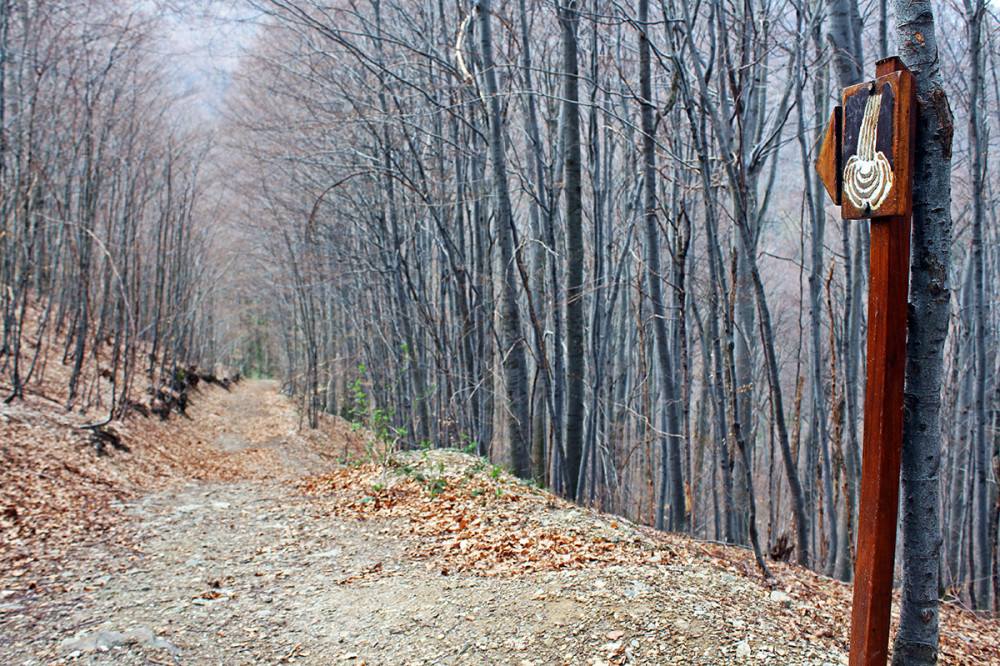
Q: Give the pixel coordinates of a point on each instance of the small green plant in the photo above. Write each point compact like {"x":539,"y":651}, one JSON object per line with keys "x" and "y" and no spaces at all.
{"x":425,"y":449}
{"x":431,"y":477}
{"x":533,"y":484}
{"x":470,"y":445}
{"x":358,"y":411}
{"x":363,"y":414}
{"x":436,"y":486}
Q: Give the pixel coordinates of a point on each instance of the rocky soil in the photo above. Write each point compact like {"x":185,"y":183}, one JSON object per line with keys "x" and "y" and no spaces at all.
{"x":389,"y":565}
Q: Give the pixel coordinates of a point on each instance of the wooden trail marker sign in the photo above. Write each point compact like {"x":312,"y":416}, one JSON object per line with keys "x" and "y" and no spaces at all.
{"x":866,"y":165}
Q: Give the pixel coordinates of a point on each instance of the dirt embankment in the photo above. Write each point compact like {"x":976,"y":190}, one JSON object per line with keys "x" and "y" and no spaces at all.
{"x":61,"y":488}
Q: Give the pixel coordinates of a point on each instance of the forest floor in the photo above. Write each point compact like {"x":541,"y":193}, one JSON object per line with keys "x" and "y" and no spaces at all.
{"x":236,"y":537}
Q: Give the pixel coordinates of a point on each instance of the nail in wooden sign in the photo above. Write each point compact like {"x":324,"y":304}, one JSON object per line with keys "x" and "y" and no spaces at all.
{"x":864,"y":158}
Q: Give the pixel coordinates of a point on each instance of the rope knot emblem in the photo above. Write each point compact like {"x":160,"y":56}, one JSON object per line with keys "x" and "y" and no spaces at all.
{"x":868,"y":174}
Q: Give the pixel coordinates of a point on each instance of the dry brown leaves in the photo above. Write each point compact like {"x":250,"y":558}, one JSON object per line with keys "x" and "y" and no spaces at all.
{"x":821,"y":606}
{"x":57,"y":492}
{"x":467,"y":520}
{"x":50,"y":504}
{"x":965,"y":638}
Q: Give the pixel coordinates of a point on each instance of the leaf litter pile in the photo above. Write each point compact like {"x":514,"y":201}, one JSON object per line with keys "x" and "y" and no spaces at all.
{"x":470,"y":516}
{"x":466,"y":515}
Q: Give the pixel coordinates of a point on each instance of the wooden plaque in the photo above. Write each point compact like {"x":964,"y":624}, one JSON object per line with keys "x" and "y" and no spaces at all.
{"x":876,"y":145}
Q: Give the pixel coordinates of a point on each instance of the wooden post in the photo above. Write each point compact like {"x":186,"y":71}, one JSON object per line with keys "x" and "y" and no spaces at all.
{"x":867,"y":166}
{"x":888,"y":291}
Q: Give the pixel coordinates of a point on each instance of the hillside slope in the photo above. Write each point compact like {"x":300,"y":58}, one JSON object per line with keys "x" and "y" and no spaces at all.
{"x":235,"y":537}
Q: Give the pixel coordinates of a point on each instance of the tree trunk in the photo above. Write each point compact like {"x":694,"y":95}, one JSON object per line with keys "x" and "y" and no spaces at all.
{"x":975,"y":11}
{"x":671,"y":480}
{"x":927,"y":327}
{"x":573,"y":185}
{"x":817,"y":420}
{"x":514,"y":359}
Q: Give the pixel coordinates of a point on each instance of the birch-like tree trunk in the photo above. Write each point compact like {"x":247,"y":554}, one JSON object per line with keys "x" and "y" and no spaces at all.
{"x":848,"y":63}
{"x":671,"y":481}
{"x":975,"y":10}
{"x":514,"y":359}
{"x":917,"y":639}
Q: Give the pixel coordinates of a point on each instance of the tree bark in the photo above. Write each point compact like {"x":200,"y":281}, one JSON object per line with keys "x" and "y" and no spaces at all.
{"x":975,"y":10}
{"x":671,"y":480}
{"x":514,"y":359}
{"x":573,"y":185}
{"x":927,"y":326}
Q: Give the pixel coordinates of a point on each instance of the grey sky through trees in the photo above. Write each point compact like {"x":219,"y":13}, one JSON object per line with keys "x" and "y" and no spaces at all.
{"x":206,"y":39}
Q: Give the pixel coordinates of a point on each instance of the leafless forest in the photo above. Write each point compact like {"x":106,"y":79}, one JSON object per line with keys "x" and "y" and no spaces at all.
{"x":583,"y":238}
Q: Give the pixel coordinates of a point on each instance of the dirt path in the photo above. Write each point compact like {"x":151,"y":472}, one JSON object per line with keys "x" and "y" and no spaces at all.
{"x":253,"y":571}
{"x":245,"y":573}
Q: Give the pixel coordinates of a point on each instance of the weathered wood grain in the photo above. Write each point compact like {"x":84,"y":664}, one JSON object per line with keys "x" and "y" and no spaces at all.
{"x":829,"y":164}
{"x":883,"y":428}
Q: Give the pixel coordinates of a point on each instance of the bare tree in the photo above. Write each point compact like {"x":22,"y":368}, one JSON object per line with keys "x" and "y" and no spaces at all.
{"x":917,"y":639}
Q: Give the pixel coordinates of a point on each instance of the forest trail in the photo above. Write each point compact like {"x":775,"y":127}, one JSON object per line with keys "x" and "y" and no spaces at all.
{"x":257,"y":567}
